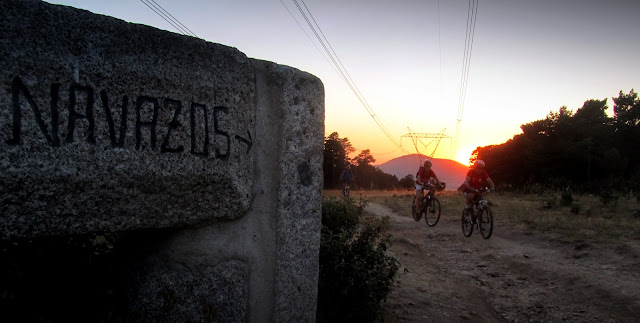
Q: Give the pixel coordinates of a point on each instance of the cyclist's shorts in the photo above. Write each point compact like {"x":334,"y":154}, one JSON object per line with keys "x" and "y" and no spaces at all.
{"x":430,"y":185}
{"x":423,"y":187}
{"x":467,"y":192}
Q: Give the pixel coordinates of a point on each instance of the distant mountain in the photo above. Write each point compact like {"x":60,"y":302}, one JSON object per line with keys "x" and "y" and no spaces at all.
{"x":448,"y":171}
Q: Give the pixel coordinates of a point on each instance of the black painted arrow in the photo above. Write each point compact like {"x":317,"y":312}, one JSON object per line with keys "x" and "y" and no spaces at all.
{"x":246,"y":141}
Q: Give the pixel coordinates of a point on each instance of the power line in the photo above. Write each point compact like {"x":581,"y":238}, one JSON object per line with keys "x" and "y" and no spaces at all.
{"x":168,"y":17}
{"x":309,"y":37}
{"x":468,"y":46}
{"x":440,"y":50}
{"x":342,"y":70}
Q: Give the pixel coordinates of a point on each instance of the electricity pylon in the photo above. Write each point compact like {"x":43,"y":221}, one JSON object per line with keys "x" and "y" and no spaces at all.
{"x":435,"y":138}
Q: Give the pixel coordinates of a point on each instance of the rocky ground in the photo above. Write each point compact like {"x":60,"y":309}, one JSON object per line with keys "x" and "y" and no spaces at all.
{"x":515,"y":276}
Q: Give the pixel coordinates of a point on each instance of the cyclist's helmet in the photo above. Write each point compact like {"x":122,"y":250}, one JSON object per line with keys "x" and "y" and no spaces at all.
{"x":428,"y":163}
{"x":479,"y":164}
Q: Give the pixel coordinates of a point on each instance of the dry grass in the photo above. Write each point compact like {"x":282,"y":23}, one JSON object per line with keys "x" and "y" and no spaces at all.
{"x":584,"y":217}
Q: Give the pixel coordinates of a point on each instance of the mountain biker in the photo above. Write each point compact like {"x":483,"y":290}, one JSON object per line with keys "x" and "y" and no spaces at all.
{"x":425,"y":178}
{"x":476,"y":177}
{"x":347,"y":176}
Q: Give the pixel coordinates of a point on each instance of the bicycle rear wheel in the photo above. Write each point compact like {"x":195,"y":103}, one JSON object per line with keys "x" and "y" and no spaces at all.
{"x":485,"y":221}
{"x":432,"y":216}
{"x":416,"y":215}
{"x":467,"y":224}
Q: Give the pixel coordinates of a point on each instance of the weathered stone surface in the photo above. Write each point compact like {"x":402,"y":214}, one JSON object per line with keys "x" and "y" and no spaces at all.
{"x":221,"y":152}
{"x":176,"y":293}
{"x":298,"y":219}
{"x":69,"y":161}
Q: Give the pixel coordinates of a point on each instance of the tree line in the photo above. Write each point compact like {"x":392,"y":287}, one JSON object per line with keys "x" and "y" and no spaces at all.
{"x":585,"y":149}
{"x":366,"y":176}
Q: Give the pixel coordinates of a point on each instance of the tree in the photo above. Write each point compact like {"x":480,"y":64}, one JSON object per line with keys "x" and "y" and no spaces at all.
{"x":407,"y":182}
{"x":364,"y":158}
{"x":593,"y":113}
{"x":586,"y":148}
{"x":367,"y":176}
{"x":626,"y":114}
{"x":364,"y":170}
{"x":336,"y":157}
{"x":626,"y":110}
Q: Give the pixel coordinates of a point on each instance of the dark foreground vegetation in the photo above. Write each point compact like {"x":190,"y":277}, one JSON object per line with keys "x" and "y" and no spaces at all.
{"x":355,"y":272}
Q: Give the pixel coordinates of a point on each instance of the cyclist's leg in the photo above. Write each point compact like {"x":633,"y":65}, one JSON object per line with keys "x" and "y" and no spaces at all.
{"x":419,"y":194}
{"x":469,"y":199}
{"x":469,"y":204}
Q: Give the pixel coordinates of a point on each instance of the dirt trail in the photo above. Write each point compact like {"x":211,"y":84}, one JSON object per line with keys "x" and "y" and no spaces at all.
{"x":512,"y":277}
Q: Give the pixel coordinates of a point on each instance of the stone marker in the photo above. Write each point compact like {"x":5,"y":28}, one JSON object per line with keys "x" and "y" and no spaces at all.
{"x":109,"y":126}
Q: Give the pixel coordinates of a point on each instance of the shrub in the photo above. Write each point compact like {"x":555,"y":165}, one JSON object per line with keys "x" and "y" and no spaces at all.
{"x":355,"y":272}
{"x":549,"y":203}
{"x":606,"y":197}
{"x":576,"y":208}
{"x":567,"y":198}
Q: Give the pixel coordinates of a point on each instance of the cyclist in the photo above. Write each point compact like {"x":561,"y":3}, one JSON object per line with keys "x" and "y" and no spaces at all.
{"x":425,"y":178}
{"x":476,"y":177}
{"x":347,"y":176}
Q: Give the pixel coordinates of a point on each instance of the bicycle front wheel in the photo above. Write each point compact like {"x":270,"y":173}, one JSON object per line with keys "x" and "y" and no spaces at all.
{"x":432,"y":216}
{"x":486,"y":222}
{"x":416,"y":215}
{"x":467,"y":224}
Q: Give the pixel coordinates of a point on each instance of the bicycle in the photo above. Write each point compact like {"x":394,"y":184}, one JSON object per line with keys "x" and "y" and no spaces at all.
{"x":483,"y":214}
{"x":430,"y":207}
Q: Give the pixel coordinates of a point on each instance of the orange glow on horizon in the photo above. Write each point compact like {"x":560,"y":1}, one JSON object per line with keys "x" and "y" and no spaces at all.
{"x":384,"y":150}
{"x":463,"y":154}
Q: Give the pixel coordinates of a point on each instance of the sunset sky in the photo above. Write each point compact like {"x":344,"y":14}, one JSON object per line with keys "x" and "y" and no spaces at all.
{"x":405,"y":57}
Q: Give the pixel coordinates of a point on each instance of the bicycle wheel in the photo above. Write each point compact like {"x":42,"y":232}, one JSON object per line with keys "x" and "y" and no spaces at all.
{"x":467,"y":225}
{"x":485,"y":221}
{"x":432,"y":216}
{"x":416,"y":215}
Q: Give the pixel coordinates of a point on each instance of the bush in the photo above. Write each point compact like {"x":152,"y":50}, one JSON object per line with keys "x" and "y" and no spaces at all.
{"x":567,"y":198}
{"x":549,"y":203}
{"x":355,"y":272}
{"x":576,"y":208}
{"x":607,"y":197}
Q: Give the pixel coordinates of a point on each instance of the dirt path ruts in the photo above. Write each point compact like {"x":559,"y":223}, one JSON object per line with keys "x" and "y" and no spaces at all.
{"x":512,"y":277}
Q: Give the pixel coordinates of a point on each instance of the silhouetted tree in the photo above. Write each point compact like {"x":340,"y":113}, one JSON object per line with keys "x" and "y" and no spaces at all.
{"x":626,"y":113}
{"x":336,"y":157}
{"x":407,"y":182}
{"x":586,"y":148}
{"x":364,"y":170}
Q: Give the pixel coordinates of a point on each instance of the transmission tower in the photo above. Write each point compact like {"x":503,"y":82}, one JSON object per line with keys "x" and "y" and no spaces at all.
{"x":435,"y":139}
